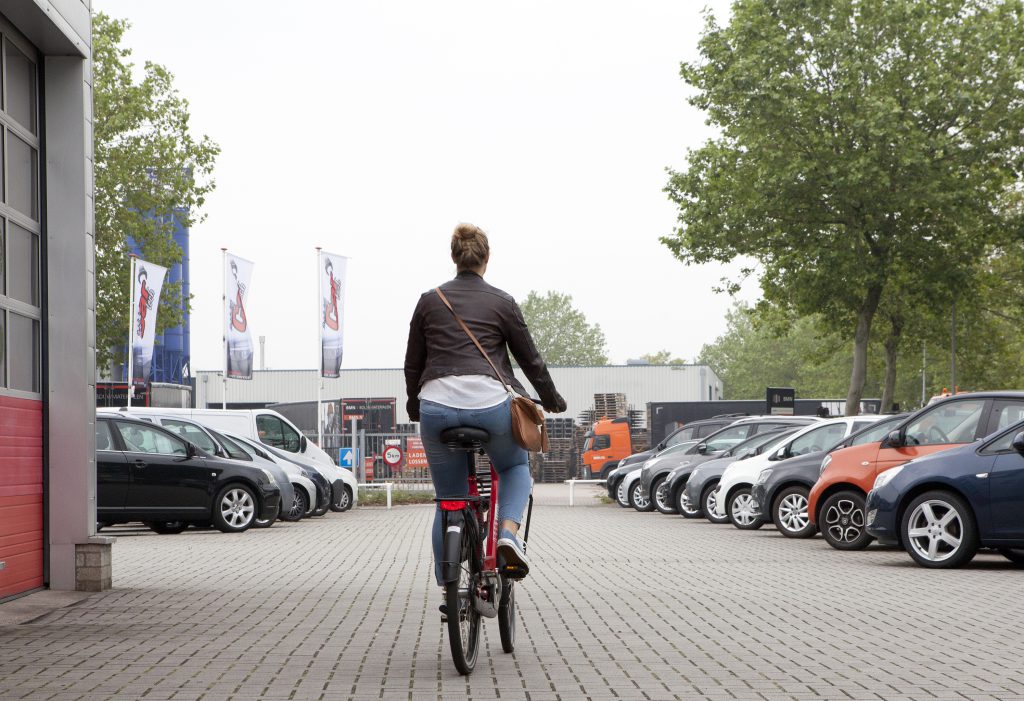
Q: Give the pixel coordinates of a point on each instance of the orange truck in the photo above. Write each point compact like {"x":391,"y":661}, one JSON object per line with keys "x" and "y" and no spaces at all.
{"x":606,"y":443}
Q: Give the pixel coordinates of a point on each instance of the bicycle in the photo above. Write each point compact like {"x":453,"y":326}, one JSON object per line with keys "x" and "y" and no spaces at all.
{"x":476,"y":585}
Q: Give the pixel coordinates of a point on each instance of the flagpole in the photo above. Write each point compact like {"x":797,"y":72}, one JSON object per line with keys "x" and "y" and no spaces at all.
{"x":320,"y":344}
{"x":224,"y":321}
{"x":131,"y":334}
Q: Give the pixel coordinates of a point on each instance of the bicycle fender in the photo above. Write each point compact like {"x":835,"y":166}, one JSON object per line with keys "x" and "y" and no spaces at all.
{"x":452,"y":548}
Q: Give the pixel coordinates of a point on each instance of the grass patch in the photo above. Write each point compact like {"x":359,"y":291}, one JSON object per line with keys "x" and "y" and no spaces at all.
{"x":605,"y":499}
{"x":399,"y":497}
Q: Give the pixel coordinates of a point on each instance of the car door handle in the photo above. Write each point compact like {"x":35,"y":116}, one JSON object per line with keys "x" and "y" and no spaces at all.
{"x":140,"y":463}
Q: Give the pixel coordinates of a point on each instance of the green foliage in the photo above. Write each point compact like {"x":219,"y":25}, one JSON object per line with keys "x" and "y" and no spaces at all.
{"x":861,"y":147}
{"x":662,"y":357}
{"x":146,"y":162}
{"x":561,"y":332}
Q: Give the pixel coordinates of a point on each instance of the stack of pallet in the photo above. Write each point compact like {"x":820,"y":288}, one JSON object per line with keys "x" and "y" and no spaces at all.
{"x":610,"y":406}
{"x":559,"y":463}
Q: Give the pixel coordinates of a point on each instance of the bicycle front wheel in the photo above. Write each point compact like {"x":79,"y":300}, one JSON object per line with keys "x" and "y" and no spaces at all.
{"x":463,"y":619}
{"x":507,"y":616}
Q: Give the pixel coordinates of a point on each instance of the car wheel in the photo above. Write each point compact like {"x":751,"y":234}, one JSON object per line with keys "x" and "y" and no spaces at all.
{"x":299,"y":506}
{"x":166,"y":527}
{"x":321,"y":510}
{"x":789,"y":512}
{"x":842,"y":521}
{"x":662,"y":499}
{"x":344,"y":500}
{"x":621,"y":496}
{"x":938,"y":530}
{"x":683,"y":505}
{"x":707,"y":504}
{"x":741,"y":510}
{"x":234,"y":509}
{"x":1015,"y":555}
{"x":637,"y":499}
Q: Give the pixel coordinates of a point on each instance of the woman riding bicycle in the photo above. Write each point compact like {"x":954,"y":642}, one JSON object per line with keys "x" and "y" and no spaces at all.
{"x":449,"y":383}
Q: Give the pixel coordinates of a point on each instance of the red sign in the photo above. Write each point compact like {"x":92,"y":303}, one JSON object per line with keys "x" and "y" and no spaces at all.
{"x":393,"y":455}
{"x":415,"y":455}
{"x":368,"y":467}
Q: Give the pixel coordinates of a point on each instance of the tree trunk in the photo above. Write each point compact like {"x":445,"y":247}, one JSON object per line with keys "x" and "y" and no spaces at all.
{"x":859,"y":373}
{"x":892,"y":345}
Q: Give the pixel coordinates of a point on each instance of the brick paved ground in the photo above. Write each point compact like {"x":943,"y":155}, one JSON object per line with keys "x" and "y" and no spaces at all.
{"x":621,"y":605}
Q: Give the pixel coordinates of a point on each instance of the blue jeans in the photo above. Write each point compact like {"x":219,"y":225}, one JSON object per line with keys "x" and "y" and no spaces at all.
{"x":448,"y":467}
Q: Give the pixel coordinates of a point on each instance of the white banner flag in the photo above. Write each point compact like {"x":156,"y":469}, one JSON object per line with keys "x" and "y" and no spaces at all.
{"x":147,"y":281}
{"x":237,"y":275}
{"x":332,"y":312}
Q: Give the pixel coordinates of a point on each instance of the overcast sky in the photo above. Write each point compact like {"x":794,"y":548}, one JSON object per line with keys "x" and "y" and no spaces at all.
{"x":372,"y":128}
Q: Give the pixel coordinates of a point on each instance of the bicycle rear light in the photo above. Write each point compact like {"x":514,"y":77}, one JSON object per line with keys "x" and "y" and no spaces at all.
{"x":453,"y":505}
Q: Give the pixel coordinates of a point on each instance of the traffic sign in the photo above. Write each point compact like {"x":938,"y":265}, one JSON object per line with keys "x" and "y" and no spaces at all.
{"x":347,"y":458}
{"x":393,"y":455}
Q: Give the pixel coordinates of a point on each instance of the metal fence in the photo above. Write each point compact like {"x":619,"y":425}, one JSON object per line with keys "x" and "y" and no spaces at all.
{"x":381,"y":457}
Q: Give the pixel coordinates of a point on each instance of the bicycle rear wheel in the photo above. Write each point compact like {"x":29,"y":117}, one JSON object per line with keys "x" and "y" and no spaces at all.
{"x":463,"y":619}
{"x":507,"y":616}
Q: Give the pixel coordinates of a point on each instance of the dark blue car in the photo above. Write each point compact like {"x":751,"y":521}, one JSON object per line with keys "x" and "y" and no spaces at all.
{"x":945,"y":506}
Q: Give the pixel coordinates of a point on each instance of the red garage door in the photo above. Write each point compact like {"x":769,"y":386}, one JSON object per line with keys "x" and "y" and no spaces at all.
{"x":21,"y":495}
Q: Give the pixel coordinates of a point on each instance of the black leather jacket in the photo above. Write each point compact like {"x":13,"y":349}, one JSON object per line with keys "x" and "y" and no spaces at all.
{"x":438,"y":346}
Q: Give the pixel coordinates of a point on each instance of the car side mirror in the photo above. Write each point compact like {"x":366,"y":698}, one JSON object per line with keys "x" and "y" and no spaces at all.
{"x":1018,"y":442}
{"x":303,"y":444}
{"x":660,"y":447}
{"x":702,"y":448}
{"x":894,"y":440}
{"x":190,"y":450}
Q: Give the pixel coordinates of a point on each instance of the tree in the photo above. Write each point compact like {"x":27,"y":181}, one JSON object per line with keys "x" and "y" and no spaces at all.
{"x":562,"y":333}
{"x":859,"y":140}
{"x":662,"y":357}
{"x":149,"y":170}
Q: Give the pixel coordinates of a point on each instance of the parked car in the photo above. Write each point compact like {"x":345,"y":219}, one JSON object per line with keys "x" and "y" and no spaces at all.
{"x":942,"y":507}
{"x":675,"y":484}
{"x":734,"y":493}
{"x":343,"y":488}
{"x":205,"y":439}
{"x":836,"y":502}
{"x":321,"y":503}
{"x":780,"y":491}
{"x":617,"y":477}
{"x":716,"y":444}
{"x":627,"y":493}
{"x":699,"y":492}
{"x":147,"y":473}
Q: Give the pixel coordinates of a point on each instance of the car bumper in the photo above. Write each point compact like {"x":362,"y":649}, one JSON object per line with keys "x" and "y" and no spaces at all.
{"x":271,"y":506}
{"x":758,"y":493}
{"x":720,"y":500}
{"x":880,"y":518}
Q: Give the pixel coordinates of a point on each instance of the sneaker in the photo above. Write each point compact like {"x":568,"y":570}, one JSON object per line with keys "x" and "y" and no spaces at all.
{"x":512,"y":554}
{"x":443,"y":608}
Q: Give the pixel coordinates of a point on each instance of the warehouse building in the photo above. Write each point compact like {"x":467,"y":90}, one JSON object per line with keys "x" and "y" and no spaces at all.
{"x":640,"y":383}
{"x":47,"y":302}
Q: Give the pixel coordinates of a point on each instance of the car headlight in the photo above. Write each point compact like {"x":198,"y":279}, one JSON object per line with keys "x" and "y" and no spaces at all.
{"x":824,"y":464}
{"x":763,"y":476}
{"x":886,"y":477}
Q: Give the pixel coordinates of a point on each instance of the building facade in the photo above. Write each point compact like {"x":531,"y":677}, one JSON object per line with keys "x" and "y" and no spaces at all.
{"x":47,"y":301}
{"x":640,"y":383}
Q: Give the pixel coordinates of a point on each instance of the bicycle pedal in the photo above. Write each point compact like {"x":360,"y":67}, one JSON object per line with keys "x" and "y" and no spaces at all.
{"x":514,"y":571}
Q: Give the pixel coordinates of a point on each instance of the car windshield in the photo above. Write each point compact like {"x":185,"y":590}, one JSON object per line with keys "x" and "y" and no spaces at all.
{"x":749,"y":447}
{"x":684,"y":434}
{"x":875,"y":433}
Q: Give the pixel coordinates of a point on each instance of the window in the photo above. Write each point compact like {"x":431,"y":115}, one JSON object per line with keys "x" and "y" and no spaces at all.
{"x":103,"y":439}
{"x":234,"y":450}
{"x":880,"y":430}
{"x":1002,"y":444}
{"x":727,"y":438}
{"x":192,"y":434}
{"x":860,"y":425}
{"x":147,"y":439}
{"x":707,"y":430}
{"x":683,"y":434}
{"x":21,"y":310}
{"x":1007,"y":413}
{"x":602,"y":442}
{"x":275,"y":432}
{"x":819,"y":439}
{"x":948,"y":422}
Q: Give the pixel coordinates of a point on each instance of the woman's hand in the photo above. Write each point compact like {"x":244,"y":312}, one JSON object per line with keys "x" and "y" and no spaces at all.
{"x":557,"y":406}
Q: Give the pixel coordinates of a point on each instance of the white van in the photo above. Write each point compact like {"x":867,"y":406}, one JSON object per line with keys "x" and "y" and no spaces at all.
{"x":263,"y":425}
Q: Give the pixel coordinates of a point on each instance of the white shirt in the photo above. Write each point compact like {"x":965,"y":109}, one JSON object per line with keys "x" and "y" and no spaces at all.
{"x":465,"y":391}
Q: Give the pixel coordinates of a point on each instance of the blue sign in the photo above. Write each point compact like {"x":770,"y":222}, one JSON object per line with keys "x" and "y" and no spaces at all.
{"x":347,"y":458}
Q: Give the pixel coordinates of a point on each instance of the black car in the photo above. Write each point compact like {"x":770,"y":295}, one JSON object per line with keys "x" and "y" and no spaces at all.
{"x":147,"y":473}
{"x":782,"y":489}
{"x":713,"y":446}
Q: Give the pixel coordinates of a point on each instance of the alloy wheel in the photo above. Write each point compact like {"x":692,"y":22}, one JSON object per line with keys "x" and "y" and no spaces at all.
{"x":237,"y":507}
{"x":741,"y":510}
{"x":935,"y":530}
{"x":842,"y":521}
{"x":792,"y":512}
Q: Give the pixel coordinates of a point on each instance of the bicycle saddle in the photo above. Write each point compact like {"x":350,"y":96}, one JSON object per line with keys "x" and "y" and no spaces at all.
{"x":464,"y":437}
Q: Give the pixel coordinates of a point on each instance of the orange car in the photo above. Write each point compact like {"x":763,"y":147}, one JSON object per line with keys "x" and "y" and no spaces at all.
{"x":836,"y":501}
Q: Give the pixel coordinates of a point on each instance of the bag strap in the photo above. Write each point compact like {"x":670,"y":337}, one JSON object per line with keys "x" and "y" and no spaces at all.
{"x":473,"y":339}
